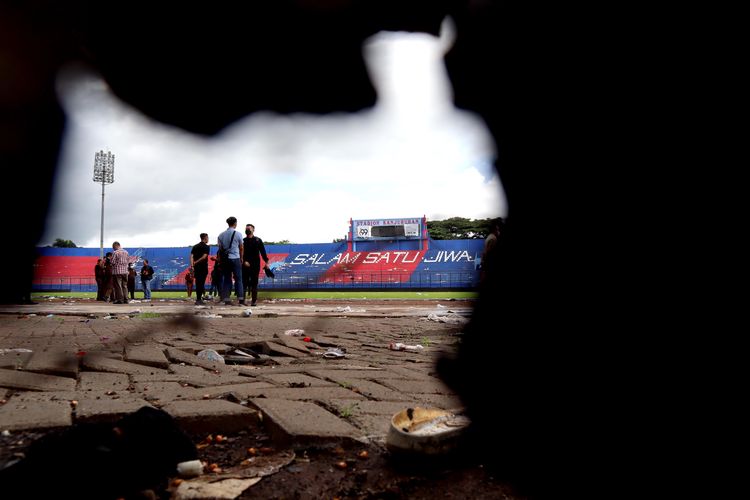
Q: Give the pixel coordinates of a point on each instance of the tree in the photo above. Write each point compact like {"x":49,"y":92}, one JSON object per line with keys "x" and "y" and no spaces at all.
{"x":61,"y":243}
{"x":459,"y":228}
{"x":281,"y":242}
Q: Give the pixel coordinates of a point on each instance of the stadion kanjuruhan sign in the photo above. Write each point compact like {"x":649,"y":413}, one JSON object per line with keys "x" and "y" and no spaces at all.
{"x":374,"y":229}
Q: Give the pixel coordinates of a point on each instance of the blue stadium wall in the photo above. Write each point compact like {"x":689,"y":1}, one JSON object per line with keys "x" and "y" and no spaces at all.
{"x":376,"y":264}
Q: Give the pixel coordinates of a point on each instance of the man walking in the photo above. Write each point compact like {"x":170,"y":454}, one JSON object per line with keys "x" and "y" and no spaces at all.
{"x":199,"y":265}
{"x":254,"y":250}
{"x":120,"y":273}
{"x":147,"y":274}
{"x":230,"y":258}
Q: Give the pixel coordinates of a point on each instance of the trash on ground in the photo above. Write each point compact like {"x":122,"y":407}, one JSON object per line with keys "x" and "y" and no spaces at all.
{"x":425,"y":431}
{"x":191,"y":468}
{"x":398,"y":346}
{"x":441,"y":306}
{"x":307,"y":339}
{"x":297,"y":332}
{"x":451,"y":318}
{"x":247,"y":313}
{"x":209,"y":316}
{"x":16,"y":350}
{"x":224,"y":489}
{"x":50,"y":316}
{"x":211,"y":355}
{"x":334,"y":353}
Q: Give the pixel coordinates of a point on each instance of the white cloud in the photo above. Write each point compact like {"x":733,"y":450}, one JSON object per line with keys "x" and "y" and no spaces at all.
{"x":296,"y":177}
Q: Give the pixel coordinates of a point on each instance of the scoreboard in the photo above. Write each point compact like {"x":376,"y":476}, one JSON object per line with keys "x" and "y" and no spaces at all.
{"x":387,"y":229}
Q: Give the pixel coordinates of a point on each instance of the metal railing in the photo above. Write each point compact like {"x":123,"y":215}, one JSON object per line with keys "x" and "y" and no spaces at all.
{"x":294,"y":281}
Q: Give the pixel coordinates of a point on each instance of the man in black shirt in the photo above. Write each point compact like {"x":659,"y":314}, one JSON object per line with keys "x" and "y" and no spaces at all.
{"x":199,"y":264}
{"x":147,"y":273}
{"x":254,"y":250}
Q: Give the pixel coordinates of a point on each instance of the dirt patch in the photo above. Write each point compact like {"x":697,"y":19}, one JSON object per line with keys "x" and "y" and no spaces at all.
{"x":357,"y":472}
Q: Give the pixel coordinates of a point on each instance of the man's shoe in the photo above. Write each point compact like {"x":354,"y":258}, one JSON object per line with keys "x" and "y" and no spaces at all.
{"x":227,"y":302}
{"x":253,"y":303}
{"x":242,"y":302}
{"x":199,"y":303}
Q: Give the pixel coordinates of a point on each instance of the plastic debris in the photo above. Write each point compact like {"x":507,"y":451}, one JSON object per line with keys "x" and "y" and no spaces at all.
{"x":247,"y":313}
{"x":50,"y":316}
{"x":451,"y":318}
{"x":211,"y":355}
{"x":297,"y":332}
{"x":191,"y":468}
{"x":398,"y":346}
{"x":334,"y":353}
{"x":17,"y":350}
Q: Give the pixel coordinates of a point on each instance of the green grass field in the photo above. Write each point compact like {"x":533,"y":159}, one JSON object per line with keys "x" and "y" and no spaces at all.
{"x":340,"y":295}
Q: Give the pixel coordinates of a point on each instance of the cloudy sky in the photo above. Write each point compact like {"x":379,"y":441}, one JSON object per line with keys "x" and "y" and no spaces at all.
{"x":296,"y":177}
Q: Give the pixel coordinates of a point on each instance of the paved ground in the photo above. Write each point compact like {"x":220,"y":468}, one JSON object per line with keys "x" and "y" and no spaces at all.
{"x":91,"y":361}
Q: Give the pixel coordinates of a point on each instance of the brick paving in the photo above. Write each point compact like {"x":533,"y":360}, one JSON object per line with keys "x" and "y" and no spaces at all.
{"x":95,"y":362}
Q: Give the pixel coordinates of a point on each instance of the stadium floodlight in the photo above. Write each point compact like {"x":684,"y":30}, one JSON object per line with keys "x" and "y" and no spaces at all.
{"x":104,"y":172}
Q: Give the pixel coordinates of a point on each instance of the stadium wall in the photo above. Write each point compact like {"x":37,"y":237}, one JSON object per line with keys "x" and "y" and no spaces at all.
{"x":378,"y":264}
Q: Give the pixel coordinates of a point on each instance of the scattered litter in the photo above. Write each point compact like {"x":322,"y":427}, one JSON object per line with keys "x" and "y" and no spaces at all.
{"x":398,"y":346}
{"x":6,"y":433}
{"x":135,"y":311}
{"x":191,"y":468}
{"x":227,"y":488}
{"x":419,"y":293}
{"x":50,"y":316}
{"x":307,"y":339}
{"x":134,"y":301}
{"x":334,"y":353}
{"x":247,"y":313}
{"x":452,"y":318}
{"x":425,"y":431}
{"x":208,"y":315}
{"x":31,"y":315}
{"x":297,"y":332}
{"x":17,"y":350}
{"x":441,"y":306}
{"x":349,"y":309}
{"x":211,"y":355}
{"x":104,"y":338}
{"x":108,"y":317}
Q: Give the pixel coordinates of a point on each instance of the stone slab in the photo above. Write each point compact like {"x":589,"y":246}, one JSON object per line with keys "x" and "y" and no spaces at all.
{"x":107,"y":409}
{"x":301,"y":423}
{"x":200,"y":377}
{"x":276,"y":348}
{"x":15,"y":379}
{"x":22,"y":415}
{"x":14,"y":360}
{"x":309,"y":393}
{"x":374,"y":390}
{"x":429,"y":386}
{"x":102,"y":382}
{"x":389,"y":408}
{"x":439,"y":401}
{"x":54,"y":362}
{"x":239,"y":391}
{"x":98,"y":363}
{"x":149,"y":355}
{"x":211,"y":416}
{"x":292,"y":343}
{"x":297,"y":379}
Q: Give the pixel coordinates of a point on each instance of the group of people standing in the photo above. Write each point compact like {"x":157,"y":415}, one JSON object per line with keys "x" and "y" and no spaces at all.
{"x":115,"y":277}
{"x":237,"y":261}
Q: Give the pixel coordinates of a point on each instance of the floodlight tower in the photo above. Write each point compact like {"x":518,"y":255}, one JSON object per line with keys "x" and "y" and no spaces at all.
{"x":104,"y":172}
